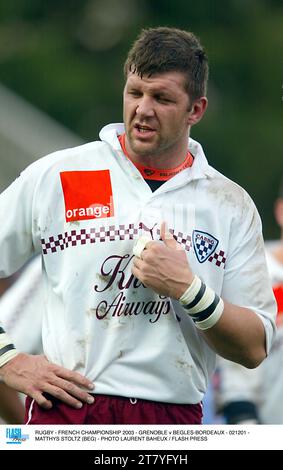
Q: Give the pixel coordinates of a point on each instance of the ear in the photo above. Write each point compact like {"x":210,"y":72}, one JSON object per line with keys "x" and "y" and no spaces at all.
{"x":198,"y":109}
{"x":278,"y":212}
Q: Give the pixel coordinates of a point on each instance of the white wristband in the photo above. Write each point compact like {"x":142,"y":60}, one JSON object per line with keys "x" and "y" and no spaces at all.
{"x":203,"y":305}
{"x":213,"y":319}
{"x":206,"y":300}
{"x":189,"y":295}
{"x":8,"y":356}
{"x":7,"y":349}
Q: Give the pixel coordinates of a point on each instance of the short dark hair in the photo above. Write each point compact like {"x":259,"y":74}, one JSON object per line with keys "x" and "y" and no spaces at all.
{"x":164,"y":49}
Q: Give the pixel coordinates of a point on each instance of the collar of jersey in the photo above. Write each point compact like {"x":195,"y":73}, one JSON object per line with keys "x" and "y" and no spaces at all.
{"x":157,"y":174}
{"x":200,"y":169}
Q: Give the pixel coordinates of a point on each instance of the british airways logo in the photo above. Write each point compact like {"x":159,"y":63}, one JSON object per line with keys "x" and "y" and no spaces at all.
{"x":204,"y":245}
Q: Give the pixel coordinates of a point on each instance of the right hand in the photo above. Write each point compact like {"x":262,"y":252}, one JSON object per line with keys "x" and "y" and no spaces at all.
{"x":34,"y":375}
{"x":163,"y":266}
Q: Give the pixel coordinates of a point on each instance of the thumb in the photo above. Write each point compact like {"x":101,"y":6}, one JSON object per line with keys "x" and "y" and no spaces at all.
{"x":167,"y":238}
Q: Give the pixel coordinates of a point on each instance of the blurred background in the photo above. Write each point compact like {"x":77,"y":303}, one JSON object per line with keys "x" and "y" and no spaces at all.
{"x":61,"y":80}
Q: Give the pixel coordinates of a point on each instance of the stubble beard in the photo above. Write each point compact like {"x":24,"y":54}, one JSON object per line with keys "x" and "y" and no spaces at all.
{"x":151,"y":149}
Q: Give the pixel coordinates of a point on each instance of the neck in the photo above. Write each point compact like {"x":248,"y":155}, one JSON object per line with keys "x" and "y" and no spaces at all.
{"x":164,"y":159}
{"x":152,"y":172}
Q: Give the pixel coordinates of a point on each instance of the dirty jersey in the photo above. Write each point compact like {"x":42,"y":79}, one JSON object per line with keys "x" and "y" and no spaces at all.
{"x":83,"y":209}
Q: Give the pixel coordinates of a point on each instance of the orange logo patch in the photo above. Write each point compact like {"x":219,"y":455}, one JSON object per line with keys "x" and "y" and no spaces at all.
{"x":87,"y":194}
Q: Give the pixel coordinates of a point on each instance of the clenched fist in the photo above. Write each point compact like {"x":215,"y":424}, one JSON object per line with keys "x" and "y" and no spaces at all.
{"x":163,"y":266}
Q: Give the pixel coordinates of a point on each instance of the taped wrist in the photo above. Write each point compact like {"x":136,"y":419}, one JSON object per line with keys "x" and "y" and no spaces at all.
{"x":203,"y":305}
{"x":7,"y":349}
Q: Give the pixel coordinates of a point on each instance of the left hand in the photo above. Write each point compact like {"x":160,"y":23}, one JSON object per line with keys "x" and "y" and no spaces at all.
{"x":164,"y":266}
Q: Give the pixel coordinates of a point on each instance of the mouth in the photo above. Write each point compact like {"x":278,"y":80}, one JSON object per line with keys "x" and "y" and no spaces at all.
{"x":143,"y":127}
{"x":143,"y":130}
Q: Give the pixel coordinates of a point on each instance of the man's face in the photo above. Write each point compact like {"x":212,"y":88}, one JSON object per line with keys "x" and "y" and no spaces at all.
{"x":156,"y":112}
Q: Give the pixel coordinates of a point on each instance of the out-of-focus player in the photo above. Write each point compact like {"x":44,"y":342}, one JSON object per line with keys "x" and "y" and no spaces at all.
{"x":255,"y":396}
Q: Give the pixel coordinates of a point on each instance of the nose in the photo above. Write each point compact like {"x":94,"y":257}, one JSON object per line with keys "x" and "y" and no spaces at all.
{"x":145,"y":107}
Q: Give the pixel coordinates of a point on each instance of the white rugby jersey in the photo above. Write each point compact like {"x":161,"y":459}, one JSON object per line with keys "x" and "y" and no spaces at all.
{"x":83,"y":208}
{"x":21,"y":309}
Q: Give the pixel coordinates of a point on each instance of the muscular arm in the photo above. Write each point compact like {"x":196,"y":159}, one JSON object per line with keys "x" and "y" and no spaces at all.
{"x":239,"y":334}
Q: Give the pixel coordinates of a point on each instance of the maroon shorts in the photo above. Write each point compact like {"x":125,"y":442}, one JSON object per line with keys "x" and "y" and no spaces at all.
{"x":114,"y":410}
